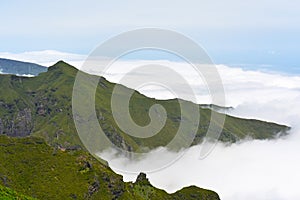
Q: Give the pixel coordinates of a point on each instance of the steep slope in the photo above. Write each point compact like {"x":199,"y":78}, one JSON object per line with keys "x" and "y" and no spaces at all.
{"x":41,"y":106}
{"x":8,"y":66}
{"x":31,"y":167}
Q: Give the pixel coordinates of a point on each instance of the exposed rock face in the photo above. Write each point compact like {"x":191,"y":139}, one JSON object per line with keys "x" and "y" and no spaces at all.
{"x":1,"y":126}
{"x":94,"y":187}
{"x":142,"y":179}
{"x":115,"y":137}
{"x":20,"y":126}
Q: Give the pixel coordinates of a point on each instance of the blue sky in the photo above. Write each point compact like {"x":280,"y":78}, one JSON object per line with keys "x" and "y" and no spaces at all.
{"x":233,"y":32}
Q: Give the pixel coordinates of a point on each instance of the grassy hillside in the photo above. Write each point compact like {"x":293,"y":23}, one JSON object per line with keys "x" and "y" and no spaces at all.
{"x":9,"y":194}
{"x":41,"y":106}
{"x":30,"y":166}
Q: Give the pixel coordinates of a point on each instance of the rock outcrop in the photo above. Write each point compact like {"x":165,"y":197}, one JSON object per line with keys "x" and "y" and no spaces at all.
{"x":19,"y":126}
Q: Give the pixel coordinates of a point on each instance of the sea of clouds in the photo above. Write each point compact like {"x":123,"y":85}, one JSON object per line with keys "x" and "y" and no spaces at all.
{"x":255,"y":169}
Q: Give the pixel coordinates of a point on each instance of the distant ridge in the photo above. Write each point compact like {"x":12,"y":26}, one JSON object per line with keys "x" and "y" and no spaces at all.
{"x":20,"y":68}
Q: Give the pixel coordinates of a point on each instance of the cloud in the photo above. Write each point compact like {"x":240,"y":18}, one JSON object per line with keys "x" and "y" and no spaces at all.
{"x":251,"y":170}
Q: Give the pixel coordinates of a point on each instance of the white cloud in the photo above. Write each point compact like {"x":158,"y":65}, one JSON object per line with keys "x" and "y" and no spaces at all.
{"x":252,"y":170}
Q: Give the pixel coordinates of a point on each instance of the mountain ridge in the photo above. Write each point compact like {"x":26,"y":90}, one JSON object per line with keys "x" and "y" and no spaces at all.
{"x":42,"y":107}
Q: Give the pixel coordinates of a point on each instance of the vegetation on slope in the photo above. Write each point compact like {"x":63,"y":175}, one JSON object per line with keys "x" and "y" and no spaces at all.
{"x":41,"y":106}
{"x":30,"y":166}
{"x":9,"y":194}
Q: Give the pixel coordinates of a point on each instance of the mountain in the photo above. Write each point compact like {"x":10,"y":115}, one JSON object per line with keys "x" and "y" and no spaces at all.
{"x":20,"y":68}
{"x":41,"y":155}
{"x":41,"y":106}
{"x":31,"y":167}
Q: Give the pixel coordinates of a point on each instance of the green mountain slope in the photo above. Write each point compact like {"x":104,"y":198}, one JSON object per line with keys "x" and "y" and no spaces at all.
{"x":30,"y":166}
{"x":9,"y":194}
{"x":41,"y":106}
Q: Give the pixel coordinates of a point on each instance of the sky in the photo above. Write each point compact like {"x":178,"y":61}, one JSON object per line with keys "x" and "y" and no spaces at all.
{"x":254,"y":34}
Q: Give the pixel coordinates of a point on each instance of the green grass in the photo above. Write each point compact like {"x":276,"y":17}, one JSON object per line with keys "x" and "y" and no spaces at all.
{"x":49,"y":98}
{"x":9,"y":194}
{"x":33,"y":168}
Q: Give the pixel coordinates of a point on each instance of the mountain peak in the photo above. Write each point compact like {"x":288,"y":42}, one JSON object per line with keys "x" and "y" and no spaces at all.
{"x":61,"y":63}
{"x":64,"y":67}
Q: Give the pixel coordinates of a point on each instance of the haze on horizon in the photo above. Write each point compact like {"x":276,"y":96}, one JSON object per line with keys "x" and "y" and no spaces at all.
{"x":237,"y":33}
